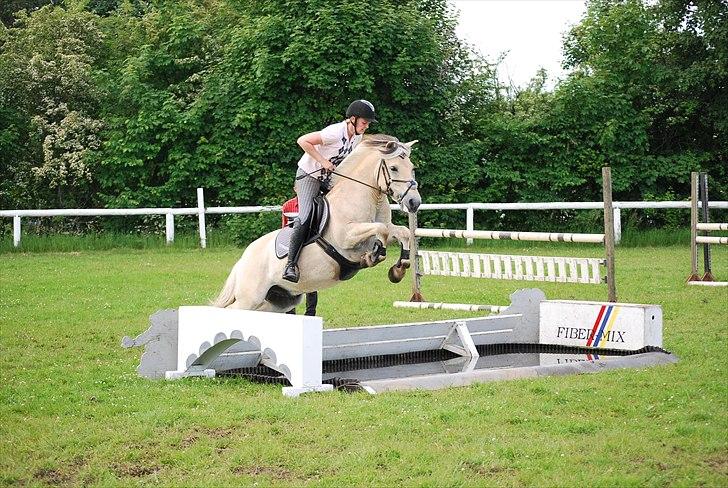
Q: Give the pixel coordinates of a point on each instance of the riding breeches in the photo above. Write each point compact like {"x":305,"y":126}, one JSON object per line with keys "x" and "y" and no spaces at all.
{"x":307,"y":188}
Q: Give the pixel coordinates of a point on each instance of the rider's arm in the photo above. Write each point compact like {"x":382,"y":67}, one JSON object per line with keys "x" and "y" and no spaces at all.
{"x":308,"y":143}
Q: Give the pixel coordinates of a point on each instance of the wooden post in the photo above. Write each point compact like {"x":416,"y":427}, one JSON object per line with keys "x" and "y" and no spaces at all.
{"x":705,"y":203}
{"x":609,"y":231}
{"x":469,"y":222}
{"x":693,"y":227}
{"x":414,"y":259}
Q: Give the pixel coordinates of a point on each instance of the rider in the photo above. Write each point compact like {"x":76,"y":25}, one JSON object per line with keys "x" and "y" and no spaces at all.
{"x":324,"y":150}
{"x":289,"y":211}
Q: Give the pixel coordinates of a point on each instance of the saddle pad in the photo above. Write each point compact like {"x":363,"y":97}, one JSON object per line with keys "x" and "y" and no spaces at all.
{"x":319,"y":220}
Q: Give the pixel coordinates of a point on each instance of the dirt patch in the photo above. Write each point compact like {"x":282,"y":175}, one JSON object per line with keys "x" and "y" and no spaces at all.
{"x":718,"y":463}
{"x":275,"y":472}
{"x":52,"y":476}
{"x":197,"y":433}
{"x":483,"y":470}
{"x":61,"y":475}
{"x":126,"y":470}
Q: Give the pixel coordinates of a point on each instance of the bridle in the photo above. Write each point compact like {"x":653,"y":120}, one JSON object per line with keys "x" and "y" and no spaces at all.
{"x":383,"y":170}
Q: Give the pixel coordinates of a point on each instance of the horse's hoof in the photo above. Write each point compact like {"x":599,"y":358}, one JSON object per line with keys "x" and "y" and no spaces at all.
{"x":396,"y":274}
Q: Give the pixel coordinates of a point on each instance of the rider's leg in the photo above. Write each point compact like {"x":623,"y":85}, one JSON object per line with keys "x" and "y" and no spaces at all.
{"x":298,"y":235}
{"x":311,"y":302}
{"x":306,"y":188}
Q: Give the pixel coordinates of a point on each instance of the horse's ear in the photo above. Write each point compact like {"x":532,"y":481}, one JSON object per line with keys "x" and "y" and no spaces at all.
{"x":390,"y":147}
{"x":411,"y":143}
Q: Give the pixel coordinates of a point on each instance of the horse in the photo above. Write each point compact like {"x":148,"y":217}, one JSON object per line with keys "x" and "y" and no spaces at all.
{"x":358,"y":229}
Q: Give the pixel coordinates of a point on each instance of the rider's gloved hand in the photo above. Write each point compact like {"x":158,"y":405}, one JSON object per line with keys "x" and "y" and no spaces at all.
{"x":328,"y":167}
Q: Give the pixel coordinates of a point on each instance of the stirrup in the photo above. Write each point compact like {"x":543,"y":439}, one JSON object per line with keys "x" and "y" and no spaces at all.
{"x":291,"y":273}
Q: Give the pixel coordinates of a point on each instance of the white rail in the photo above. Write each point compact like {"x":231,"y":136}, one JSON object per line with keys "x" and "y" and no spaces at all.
{"x":713,"y":226}
{"x":711,"y":240}
{"x":451,"y":306}
{"x":201,"y":211}
{"x":513,"y":236}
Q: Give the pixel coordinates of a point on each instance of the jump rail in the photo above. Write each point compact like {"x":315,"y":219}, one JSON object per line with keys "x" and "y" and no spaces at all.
{"x":513,"y":236}
{"x":512,"y":267}
{"x":699,"y":198}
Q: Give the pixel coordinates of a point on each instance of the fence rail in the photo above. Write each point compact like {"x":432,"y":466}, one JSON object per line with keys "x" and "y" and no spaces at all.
{"x":201,"y":211}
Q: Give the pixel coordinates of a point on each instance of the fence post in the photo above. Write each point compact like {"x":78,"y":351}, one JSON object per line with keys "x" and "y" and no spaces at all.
{"x":469,"y":221}
{"x":16,"y":230}
{"x":170,"y":228}
{"x":414,"y":260}
{"x":705,"y":210}
{"x":201,"y":217}
{"x":693,"y":227}
{"x":609,"y":231}
{"x":617,"y":225}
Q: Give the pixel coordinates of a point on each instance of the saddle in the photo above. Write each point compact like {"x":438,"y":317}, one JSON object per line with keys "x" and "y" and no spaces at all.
{"x":319,"y":220}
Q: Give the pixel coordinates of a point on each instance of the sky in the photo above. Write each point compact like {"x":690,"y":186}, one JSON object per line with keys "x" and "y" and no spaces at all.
{"x":530,"y":31}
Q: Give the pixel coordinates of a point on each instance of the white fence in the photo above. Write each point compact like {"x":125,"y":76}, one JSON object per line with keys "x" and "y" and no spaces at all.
{"x":201,"y":211}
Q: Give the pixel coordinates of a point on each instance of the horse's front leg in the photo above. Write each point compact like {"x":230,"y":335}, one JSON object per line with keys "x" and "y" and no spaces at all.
{"x":398,"y":269}
{"x":357,"y":234}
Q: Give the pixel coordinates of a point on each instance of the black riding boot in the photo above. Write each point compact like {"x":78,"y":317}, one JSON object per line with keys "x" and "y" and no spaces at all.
{"x":294,"y":250}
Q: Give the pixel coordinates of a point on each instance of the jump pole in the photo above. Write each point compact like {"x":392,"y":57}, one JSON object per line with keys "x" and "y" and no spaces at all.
{"x":707,"y":258}
{"x":414,"y":261}
{"x":609,"y":231}
{"x":693,"y":227}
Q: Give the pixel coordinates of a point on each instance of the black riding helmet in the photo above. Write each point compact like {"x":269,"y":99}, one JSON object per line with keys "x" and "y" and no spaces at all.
{"x":361,"y":108}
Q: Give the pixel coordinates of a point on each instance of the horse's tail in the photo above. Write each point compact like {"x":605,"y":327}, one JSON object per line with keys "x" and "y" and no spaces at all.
{"x":227,"y":295}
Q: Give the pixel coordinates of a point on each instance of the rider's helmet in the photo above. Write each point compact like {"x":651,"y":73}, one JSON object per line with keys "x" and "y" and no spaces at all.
{"x":361,"y":108}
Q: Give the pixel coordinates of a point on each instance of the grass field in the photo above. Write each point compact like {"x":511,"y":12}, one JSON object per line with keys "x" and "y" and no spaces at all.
{"x":74,"y":412}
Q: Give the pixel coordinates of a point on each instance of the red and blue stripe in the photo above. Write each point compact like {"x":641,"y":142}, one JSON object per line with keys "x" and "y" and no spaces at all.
{"x":599,"y":326}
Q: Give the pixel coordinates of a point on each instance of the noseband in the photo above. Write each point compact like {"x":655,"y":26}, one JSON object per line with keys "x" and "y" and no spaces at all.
{"x":383,"y":170}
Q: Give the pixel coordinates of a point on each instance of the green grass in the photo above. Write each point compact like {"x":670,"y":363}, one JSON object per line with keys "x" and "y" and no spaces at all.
{"x":74,"y":412}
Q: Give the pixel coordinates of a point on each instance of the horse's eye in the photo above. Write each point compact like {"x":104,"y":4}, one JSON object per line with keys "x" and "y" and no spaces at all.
{"x":393,"y":169}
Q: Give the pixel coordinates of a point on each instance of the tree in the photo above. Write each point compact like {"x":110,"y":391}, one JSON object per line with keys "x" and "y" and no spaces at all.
{"x":47,"y":81}
{"x":218,"y":95}
{"x":650,"y":90}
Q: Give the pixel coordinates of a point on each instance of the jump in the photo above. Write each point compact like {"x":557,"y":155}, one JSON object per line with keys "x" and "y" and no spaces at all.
{"x":358,"y":229}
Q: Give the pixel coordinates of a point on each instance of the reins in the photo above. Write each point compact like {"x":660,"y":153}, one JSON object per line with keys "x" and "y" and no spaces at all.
{"x":383,"y":170}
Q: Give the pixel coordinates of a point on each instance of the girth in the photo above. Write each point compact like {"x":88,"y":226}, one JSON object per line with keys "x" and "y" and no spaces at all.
{"x":347,"y":268}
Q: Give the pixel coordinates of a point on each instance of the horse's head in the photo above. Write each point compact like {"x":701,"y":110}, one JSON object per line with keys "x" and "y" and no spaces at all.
{"x":395,"y":174}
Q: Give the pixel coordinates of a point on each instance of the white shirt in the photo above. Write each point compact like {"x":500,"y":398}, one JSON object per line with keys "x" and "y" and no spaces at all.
{"x":335,"y":146}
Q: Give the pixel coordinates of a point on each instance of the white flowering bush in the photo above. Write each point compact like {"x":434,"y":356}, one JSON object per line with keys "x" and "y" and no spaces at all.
{"x":67,"y":137}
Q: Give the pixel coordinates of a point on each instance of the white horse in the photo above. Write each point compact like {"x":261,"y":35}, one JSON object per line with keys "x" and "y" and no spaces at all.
{"x":359,"y":228}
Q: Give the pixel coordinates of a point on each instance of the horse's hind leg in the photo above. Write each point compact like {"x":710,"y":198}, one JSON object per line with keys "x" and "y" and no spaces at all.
{"x":248,"y":297}
{"x":279,"y":299}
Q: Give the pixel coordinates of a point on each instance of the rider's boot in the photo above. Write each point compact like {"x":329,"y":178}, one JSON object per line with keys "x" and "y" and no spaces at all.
{"x":290,"y":273}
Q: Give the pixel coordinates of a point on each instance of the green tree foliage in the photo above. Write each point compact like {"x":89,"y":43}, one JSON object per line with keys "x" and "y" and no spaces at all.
{"x":10,"y":8}
{"x":136,"y":103}
{"x":47,"y":84}
{"x":217,"y":96}
{"x":652,"y":79}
